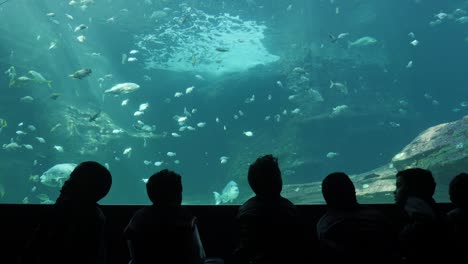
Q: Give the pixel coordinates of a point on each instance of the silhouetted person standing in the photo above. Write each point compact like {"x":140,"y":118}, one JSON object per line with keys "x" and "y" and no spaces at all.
{"x":74,"y":231}
{"x":423,"y":238}
{"x":164,"y":232}
{"x":458,"y":217}
{"x":270,"y":231}
{"x":350,"y":232}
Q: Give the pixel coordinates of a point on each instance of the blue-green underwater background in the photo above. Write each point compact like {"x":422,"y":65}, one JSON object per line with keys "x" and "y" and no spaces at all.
{"x":264,"y":67}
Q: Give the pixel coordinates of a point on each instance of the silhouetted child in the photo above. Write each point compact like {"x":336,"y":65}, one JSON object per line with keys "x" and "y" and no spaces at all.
{"x":352,"y":233}
{"x":269,"y":224}
{"x":74,"y":231}
{"x":423,"y":237}
{"x":458,"y":217}
{"x":164,"y":232}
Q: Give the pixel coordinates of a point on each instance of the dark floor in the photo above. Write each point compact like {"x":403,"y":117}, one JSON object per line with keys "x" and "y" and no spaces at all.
{"x":216,"y":224}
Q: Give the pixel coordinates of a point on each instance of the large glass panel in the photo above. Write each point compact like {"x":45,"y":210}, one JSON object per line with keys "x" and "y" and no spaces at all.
{"x":205,"y":87}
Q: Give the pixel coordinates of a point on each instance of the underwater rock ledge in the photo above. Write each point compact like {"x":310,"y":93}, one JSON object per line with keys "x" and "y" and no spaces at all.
{"x":440,"y":148}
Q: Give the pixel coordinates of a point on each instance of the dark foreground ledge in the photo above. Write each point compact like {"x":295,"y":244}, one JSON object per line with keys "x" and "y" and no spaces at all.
{"x":216,"y":224}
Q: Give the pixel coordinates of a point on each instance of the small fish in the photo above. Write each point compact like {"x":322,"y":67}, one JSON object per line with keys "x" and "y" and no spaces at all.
{"x":409,"y":65}
{"x":117,"y":131}
{"x":414,"y":42}
{"x":28,"y":146}
{"x":248,"y":133}
{"x":81,"y":38}
{"x":69,"y":16}
{"x":175,"y":134}
{"x":158,"y":163}
{"x":201,"y":124}
{"x":342,"y":35}
{"x":143,"y":107}
{"x":132,"y":59}
{"x":222,"y":49}
{"x":80,"y":74}
{"x":95,"y":116}
{"x":342,"y":87}
{"x":81,"y":27}
{"x":296,"y":111}
{"x":280,"y":84}
{"x":54,"y":96}
{"x":181,"y":119}
{"x":27,"y":99}
{"x":58,"y":148}
{"x":124,"y":102}
{"x":127,"y":152}
{"x":52,"y":45}
{"x":332,"y":37}
{"x":171,"y":154}
{"x":133,"y":52}
{"x":331,"y":155}
{"x":138,"y":113}
{"x":189,"y":89}
{"x":223,"y":159}
{"x":40,"y":139}
{"x":146,"y":162}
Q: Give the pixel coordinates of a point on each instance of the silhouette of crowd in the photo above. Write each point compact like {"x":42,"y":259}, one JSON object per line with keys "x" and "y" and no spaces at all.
{"x":270,"y":228}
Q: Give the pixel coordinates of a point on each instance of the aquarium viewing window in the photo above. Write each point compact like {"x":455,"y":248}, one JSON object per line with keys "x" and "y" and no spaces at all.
{"x":205,"y":87}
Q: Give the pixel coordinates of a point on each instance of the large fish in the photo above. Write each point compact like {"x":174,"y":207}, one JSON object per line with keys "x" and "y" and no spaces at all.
{"x":57,"y":175}
{"x":364,"y":41}
{"x":229,"y":194}
{"x":123,"y":88}
{"x":37,"y":77}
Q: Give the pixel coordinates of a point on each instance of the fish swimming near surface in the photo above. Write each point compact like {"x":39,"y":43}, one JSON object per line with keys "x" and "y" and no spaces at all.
{"x":229,"y":194}
{"x":57,"y":175}
{"x":80,"y":74}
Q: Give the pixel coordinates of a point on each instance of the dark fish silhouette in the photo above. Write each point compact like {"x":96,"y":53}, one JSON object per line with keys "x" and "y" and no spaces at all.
{"x":333,"y":39}
{"x":81,"y":73}
{"x":95,"y":116}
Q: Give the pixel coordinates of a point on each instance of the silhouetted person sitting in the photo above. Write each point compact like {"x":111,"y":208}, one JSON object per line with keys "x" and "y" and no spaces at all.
{"x":352,"y":233}
{"x":458,"y":217}
{"x":269,"y":224}
{"x":424,"y":234}
{"x":74,"y":231}
{"x":164,"y":232}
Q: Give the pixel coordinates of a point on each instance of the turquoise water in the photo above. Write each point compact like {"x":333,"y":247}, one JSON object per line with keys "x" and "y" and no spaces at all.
{"x":324,"y":85}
